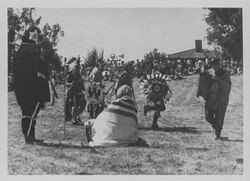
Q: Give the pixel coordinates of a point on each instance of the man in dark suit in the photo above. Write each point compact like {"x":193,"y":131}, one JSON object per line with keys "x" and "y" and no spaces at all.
{"x":215,"y":89}
{"x":30,"y":82}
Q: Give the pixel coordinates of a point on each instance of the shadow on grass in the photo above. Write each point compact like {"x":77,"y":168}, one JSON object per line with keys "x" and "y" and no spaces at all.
{"x":84,"y":173}
{"x":191,"y":130}
{"x":233,"y":140}
{"x":139,"y":143}
{"x":180,"y":78}
{"x":227,"y":139}
{"x":236,"y":140}
{"x":63,"y":145}
{"x":197,"y":149}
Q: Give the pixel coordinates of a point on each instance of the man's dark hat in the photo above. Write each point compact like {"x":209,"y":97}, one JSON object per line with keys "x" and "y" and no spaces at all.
{"x":26,"y":35}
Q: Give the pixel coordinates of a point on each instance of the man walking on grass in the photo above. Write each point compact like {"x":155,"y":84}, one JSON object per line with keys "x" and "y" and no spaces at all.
{"x":215,"y":87}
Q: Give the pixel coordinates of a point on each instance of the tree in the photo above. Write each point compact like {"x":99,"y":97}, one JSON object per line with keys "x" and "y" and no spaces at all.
{"x":52,"y":33}
{"x":17,"y":21}
{"x":21,"y":19}
{"x":225,"y":31}
{"x":155,"y":56}
{"x":13,"y":26}
{"x":51,"y":37}
{"x":94,"y":57}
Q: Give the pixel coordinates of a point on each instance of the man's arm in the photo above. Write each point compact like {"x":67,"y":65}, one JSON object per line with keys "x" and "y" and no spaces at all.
{"x":225,"y":83}
{"x":69,"y":80}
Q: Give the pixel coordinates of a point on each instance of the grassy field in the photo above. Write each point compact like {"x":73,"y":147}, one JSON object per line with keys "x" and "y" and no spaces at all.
{"x":183,"y":145}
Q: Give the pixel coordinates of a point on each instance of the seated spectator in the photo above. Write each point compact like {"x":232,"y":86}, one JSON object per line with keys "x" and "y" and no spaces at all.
{"x":117,"y":125}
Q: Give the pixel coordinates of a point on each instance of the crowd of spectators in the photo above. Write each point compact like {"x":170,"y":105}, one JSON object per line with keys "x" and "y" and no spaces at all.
{"x":173,"y":68}
{"x":177,"y":68}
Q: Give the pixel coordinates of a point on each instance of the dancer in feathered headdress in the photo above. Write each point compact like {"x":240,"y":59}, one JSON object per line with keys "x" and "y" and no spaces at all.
{"x":94,"y":93}
{"x":156,"y":90}
{"x":75,"y":101}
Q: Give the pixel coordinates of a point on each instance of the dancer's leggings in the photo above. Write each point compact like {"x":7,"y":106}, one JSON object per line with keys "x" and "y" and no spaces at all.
{"x":30,"y":111}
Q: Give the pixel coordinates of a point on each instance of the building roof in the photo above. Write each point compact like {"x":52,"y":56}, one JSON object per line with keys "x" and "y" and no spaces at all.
{"x":193,"y":54}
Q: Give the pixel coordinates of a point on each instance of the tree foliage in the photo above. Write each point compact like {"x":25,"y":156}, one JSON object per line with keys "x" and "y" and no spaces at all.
{"x":21,"y":19}
{"x":52,"y":33}
{"x":225,"y":31}
{"x":94,"y":57}
{"x":18,"y":20}
{"x":155,"y":56}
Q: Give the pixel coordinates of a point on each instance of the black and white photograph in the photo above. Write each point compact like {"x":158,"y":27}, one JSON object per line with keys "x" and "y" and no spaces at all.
{"x":125,"y":90}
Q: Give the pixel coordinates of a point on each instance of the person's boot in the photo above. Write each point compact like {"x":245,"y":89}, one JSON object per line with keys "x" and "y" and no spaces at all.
{"x":79,"y":121}
{"x":74,"y":121}
{"x":53,"y":101}
{"x":158,"y":115}
{"x":28,"y":139}
{"x":145,"y":110}
{"x":68,"y":112}
{"x":91,"y":111}
{"x":32,"y":134}
{"x":218,"y":135}
{"x":154,"y":124}
{"x":25,"y":127}
{"x":88,"y":131}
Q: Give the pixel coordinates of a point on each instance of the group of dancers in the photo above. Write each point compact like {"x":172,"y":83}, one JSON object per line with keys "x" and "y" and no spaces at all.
{"x":115,"y":122}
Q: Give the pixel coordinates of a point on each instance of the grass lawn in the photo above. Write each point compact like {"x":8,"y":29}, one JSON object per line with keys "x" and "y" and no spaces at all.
{"x":184,"y":145}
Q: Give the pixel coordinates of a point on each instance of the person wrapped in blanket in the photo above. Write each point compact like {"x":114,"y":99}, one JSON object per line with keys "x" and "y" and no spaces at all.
{"x":214,"y":87}
{"x":157,"y":93}
{"x":75,"y":97}
{"x":117,"y":125}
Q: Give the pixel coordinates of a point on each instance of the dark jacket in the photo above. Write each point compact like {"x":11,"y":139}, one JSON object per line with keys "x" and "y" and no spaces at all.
{"x":43,"y":84}
{"x":224,"y":84}
{"x":28,"y":88}
{"x":215,"y":90}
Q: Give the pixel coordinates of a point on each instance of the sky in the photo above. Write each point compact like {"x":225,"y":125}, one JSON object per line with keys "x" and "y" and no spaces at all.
{"x":132,"y":31}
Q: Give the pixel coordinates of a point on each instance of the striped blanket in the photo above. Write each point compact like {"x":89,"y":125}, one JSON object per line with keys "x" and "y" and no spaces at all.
{"x":117,"y":125}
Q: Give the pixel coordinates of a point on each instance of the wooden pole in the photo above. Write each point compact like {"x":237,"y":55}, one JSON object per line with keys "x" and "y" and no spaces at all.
{"x":64,"y":101}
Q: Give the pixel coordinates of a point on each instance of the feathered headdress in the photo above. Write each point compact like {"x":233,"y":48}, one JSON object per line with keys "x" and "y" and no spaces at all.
{"x":72,"y":63}
{"x":155,"y":86}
